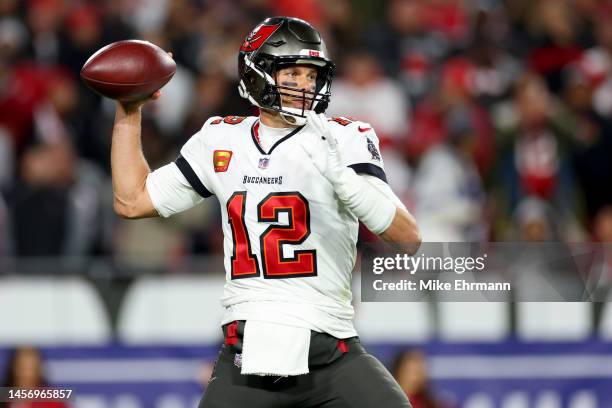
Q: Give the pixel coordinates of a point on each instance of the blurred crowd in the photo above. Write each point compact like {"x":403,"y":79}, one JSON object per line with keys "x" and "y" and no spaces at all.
{"x":494,"y":116}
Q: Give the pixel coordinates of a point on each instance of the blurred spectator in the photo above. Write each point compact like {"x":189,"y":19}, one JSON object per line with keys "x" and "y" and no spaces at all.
{"x":406,"y":48}
{"x":592,"y":134}
{"x":448,"y":193}
{"x":534,"y":150}
{"x":449,"y":17}
{"x":7,"y":159}
{"x":341,"y":19}
{"x":555,"y":33}
{"x":597,"y":62}
{"x":536,"y":221}
{"x":600,"y":274}
{"x":542,"y":270}
{"x":83,"y":31}
{"x":495,"y":68}
{"x":148,"y":15}
{"x":44,"y":18}
{"x":56,"y":206}
{"x":364,"y":93}
{"x":214,"y":95}
{"x":410,"y":371}
{"x":115,"y":26}
{"x":309,"y":10}
{"x":602,"y":225}
{"x":182,"y":39}
{"x":13,"y":34}
{"x":454,"y":90}
{"x":25,"y":370}
{"x":494,"y":72}
{"x":5,"y":231}
{"x":22,"y":91}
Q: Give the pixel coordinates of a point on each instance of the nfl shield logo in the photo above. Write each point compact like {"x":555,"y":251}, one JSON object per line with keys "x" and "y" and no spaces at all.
{"x":263,"y":162}
{"x":238,"y":360}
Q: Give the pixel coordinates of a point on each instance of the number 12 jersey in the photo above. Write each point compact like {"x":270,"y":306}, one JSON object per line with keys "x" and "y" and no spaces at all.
{"x":289,"y":243}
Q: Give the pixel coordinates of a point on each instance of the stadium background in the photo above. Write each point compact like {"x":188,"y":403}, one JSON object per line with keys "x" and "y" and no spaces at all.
{"x":494,"y":118}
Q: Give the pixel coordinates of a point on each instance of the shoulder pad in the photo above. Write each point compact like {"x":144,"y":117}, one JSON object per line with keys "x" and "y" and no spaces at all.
{"x":342,"y":120}
{"x":351,"y":124}
{"x":213,"y":120}
{"x":219,"y":125}
{"x":228,"y":120}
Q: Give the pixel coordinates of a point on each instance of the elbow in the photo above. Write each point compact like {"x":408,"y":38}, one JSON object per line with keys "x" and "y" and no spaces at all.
{"x":413,"y":240}
{"x":410,"y":239}
{"x":405,"y":233}
{"x":125,"y":210}
{"x":413,"y":233}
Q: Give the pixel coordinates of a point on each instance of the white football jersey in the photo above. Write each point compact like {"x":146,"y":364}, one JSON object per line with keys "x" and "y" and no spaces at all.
{"x":289,"y":243}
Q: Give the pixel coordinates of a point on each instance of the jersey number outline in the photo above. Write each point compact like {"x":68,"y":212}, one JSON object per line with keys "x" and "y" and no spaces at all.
{"x":244,"y":262}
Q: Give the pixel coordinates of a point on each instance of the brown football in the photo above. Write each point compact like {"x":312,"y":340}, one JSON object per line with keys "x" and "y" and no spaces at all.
{"x":128,"y":70}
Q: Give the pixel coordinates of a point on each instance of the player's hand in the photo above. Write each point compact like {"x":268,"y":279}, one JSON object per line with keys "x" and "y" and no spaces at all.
{"x":134,"y":106}
{"x":331,"y":167}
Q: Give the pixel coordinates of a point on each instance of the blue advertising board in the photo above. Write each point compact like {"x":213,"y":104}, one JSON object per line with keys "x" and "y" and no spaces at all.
{"x":509,"y":374}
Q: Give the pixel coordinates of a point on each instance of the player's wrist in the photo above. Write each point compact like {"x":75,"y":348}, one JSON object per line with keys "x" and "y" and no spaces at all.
{"x":129,"y":108}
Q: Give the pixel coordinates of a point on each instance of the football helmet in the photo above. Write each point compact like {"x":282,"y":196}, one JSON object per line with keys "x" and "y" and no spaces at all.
{"x":276,"y":43}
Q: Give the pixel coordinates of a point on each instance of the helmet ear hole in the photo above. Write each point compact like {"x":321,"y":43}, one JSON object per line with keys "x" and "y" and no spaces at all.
{"x":268,"y":96}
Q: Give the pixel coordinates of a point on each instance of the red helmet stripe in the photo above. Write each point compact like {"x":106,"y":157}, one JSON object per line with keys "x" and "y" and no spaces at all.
{"x":259,"y":35}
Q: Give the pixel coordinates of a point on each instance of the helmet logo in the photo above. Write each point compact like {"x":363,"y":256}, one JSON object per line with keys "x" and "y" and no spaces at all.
{"x":312,"y":53}
{"x":258,"y":36}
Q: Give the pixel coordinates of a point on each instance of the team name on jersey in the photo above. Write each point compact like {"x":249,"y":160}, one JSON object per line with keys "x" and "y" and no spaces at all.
{"x":262,"y":180}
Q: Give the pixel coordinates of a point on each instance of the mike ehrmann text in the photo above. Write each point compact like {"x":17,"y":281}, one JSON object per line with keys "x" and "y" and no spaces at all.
{"x":437,"y":285}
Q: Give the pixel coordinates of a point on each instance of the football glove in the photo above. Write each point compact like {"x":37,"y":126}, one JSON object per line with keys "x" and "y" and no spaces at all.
{"x":363,"y":199}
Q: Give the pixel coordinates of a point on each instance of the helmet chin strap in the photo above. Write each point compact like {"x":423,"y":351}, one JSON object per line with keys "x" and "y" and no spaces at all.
{"x":287,"y":117}
{"x":290,"y":116}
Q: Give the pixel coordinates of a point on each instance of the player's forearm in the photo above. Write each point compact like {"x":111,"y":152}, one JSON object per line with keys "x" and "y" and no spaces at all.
{"x":128,"y":165}
{"x":403,"y":230}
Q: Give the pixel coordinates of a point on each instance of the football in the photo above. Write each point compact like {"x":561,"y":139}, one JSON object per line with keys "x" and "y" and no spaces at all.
{"x":128,"y":70}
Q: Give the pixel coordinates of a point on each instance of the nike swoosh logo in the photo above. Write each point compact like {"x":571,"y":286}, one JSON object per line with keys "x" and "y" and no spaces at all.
{"x":364,"y":129}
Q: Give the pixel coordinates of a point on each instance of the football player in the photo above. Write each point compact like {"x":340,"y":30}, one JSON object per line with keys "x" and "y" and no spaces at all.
{"x":292,"y":185}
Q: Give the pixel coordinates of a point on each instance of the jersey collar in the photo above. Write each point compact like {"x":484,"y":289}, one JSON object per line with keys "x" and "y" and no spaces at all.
{"x":255,"y":137}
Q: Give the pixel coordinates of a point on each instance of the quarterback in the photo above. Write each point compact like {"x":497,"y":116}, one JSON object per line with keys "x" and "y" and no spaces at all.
{"x":292,"y":185}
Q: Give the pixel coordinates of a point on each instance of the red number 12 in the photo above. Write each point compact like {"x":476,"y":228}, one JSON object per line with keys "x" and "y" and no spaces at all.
{"x":275,"y":266}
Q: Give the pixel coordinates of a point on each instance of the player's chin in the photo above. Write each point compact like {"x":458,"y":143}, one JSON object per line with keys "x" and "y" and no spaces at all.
{"x":297,"y":105}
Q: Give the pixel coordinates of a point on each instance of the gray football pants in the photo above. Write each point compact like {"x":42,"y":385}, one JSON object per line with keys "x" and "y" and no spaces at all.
{"x":354,"y":380}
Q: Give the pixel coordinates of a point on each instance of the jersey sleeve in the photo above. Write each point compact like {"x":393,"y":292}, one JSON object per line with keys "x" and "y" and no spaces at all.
{"x":170,"y":192}
{"x":360,"y":149}
{"x":179,"y":186}
{"x":194,"y":160}
{"x":385,"y":190}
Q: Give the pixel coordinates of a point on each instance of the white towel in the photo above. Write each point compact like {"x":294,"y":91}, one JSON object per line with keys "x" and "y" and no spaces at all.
{"x":274,"y":349}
